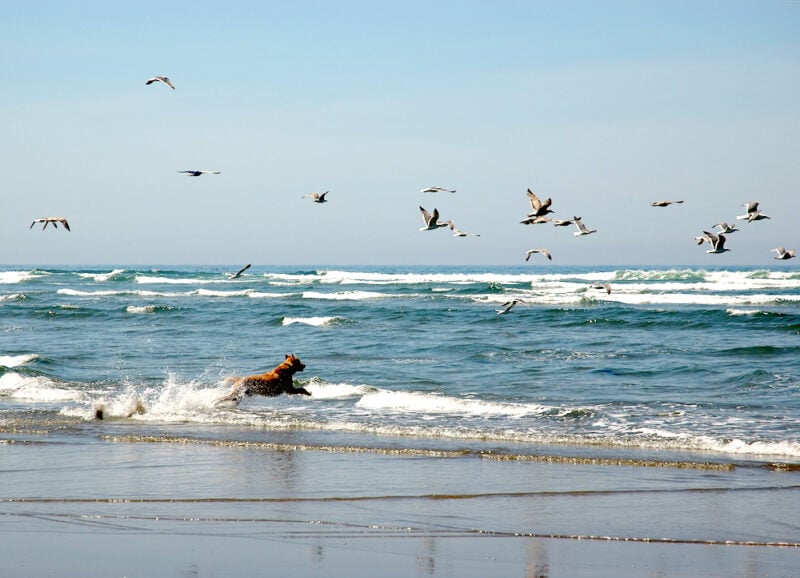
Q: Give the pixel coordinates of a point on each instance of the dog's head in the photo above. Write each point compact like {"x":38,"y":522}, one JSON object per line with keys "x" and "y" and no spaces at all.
{"x":293,"y":362}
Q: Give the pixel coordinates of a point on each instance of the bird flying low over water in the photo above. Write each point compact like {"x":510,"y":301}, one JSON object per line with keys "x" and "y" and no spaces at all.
{"x":51,"y":220}
{"x":316,"y":197}
{"x":664,"y":203}
{"x":437,"y":190}
{"x":431,"y":220}
{"x":544,"y":252}
{"x":163,"y":79}
{"x":605,"y":286}
{"x":752,"y":213}
{"x":459,"y":232}
{"x":582,"y":230}
{"x":717,"y":242}
{"x":239,"y":272}
{"x":540,"y":208}
{"x":198,"y":173}
{"x":508,"y":306}
{"x":783,"y":254}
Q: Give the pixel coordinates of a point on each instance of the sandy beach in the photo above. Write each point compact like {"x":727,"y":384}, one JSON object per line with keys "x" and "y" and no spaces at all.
{"x":128,"y":506}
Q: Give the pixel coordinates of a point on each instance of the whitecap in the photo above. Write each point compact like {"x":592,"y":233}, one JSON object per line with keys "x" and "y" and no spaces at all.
{"x":432,"y":403}
{"x":12,"y":277}
{"x":101,"y":277}
{"x":36,"y":389}
{"x":345,"y":295}
{"x":17,"y":360}
{"x":315,"y":321}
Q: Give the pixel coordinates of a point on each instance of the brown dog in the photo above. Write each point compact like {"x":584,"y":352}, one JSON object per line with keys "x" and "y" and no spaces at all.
{"x":271,"y":383}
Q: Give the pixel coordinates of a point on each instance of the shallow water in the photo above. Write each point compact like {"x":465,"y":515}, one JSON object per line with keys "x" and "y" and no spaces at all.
{"x":665,"y":412}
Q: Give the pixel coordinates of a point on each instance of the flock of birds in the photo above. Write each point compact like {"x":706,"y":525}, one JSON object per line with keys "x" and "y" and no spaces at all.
{"x":536,"y":216}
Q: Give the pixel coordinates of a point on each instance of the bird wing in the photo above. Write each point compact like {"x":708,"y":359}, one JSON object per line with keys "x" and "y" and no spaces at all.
{"x":751,"y":206}
{"x":536,"y":204}
{"x":64,"y":222}
{"x":426,"y":216}
{"x":167,"y":81}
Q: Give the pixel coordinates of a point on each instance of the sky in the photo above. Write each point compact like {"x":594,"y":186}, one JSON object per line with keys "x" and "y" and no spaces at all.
{"x":601,"y":106}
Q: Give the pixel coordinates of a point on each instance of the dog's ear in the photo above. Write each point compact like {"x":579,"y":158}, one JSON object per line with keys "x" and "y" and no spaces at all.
{"x":288,"y":356}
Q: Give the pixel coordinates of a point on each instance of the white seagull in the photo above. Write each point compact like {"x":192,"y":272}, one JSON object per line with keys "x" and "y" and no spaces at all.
{"x":664,"y":203}
{"x":540,"y":208}
{"x":717,"y":242}
{"x":51,"y":220}
{"x":752,"y":213}
{"x":582,"y":230}
{"x":163,"y":79}
{"x":783,"y":254}
{"x":508,"y":306}
{"x":317,"y":198}
{"x":431,"y":221}
{"x":726,"y":227}
{"x":605,"y":286}
{"x":544,"y":252}
{"x":437,"y":190}
{"x":458,"y":232}
{"x":197,"y":173}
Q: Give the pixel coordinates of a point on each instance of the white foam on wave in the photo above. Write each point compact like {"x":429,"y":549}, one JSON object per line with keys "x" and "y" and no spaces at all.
{"x":37,"y":389}
{"x":101,"y":293}
{"x":12,"y":277}
{"x":147,"y":279}
{"x":141,"y":309}
{"x":432,"y":403}
{"x":315,"y":321}
{"x":345,"y":295}
{"x":740,"y":312}
{"x":213,"y":293}
{"x":12,"y":297}
{"x":17,"y":360}
{"x":101,"y":277}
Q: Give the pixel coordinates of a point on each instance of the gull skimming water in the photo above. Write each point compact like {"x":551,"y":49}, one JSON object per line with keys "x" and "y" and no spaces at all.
{"x":544,"y":252}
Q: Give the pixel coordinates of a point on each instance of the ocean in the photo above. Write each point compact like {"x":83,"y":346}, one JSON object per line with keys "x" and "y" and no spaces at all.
{"x":684,"y":368}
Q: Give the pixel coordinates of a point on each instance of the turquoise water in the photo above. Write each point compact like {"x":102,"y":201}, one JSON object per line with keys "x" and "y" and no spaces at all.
{"x":675,"y":363}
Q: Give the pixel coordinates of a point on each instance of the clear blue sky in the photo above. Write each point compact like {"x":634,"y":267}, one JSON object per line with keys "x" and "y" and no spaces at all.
{"x":603,"y":106}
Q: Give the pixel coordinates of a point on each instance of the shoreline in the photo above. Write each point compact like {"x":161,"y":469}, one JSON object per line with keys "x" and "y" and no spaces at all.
{"x":116,"y":508}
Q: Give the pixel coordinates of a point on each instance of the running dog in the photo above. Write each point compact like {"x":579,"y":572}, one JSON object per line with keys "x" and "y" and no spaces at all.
{"x":271,"y":383}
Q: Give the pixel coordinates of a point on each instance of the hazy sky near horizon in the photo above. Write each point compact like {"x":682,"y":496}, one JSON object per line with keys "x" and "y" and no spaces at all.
{"x":603,"y":106}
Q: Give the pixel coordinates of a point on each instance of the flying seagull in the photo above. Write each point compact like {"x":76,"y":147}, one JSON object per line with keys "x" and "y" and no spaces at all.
{"x":582,"y":230}
{"x":561,"y":222}
{"x":437,"y":190}
{"x":163,"y":79}
{"x":717,"y":242}
{"x":783,"y":254}
{"x":604,"y":286}
{"x":198,"y":173}
{"x":540,"y":208}
{"x":48,"y":220}
{"x":239,"y":272}
{"x":752,"y":214}
{"x":458,"y":232}
{"x":431,"y":221}
{"x":316,"y":197}
{"x":508,"y":306}
{"x":544,"y":252}
{"x":664,"y":203}
{"x":726,"y":227}
{"x":535,"y":220}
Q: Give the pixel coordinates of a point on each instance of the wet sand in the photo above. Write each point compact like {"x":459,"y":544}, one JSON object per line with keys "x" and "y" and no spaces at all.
{"x":180,"y":507}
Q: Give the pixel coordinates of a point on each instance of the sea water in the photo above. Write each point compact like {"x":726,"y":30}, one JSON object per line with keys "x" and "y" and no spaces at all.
{"x":705,"y":361}
{"x":666,"y":410}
